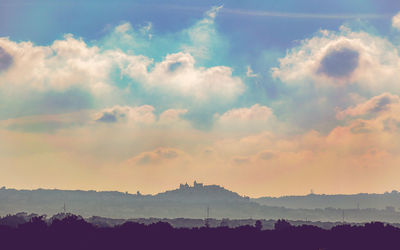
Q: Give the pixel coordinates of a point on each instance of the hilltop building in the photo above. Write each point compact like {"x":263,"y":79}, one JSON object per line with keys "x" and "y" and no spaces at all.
{"x":195,"y":185}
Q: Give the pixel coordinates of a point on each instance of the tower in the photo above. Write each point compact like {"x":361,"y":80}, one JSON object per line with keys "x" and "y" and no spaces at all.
{"x":343,"y":215}
{"x":207,"y":220}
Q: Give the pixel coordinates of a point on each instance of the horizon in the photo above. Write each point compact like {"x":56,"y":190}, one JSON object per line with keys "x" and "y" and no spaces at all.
{"x":263,"y":98}
{"x":204,"y":185}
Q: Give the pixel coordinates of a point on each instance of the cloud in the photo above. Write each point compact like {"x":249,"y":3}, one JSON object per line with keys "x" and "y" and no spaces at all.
{"x":266,"y":155}
{"x":212,"y":13}
{"x":254,"y":113}
{"x":136,"y":153}
{"x":127,"y":64}
{"x":376,"y":104}
{"x":46,"y":123}
{"x":204,"y":42}
{"x":141,"y":114}
{"x":372,"y":123}
{"x":67,"y":75}
{"x":146,"y":30}
{"x":64,"y":64}
{"x":183,"y":70}
{"x":242,"y":121}
{"x":136,"y":65}
{"x":339,"y":62}
{"x":342,"y":58}
{"x":280,"y":158}
{"x":121,"y":118}
{"x":123,"y":28}
{"x":159,"y":156}
{"x":379,"y":116}
{"x":396,"y":21}
{"x":143,"y":117}
{"x":178,"y":72}
{"x":172,"y":115}
{"x":332,"y":71}
{"x":107,"y":117}
{"x":240,"y":160}
{"x":250,"y":73}
{"x":5,"y":60}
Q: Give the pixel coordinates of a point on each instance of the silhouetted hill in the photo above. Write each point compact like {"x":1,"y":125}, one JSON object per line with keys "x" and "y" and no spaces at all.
{"x":201,"y":193}
{"x":186,"y":202}
{"x":377,"y":201}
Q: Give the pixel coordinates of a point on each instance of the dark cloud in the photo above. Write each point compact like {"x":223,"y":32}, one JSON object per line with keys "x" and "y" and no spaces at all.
{"x":360,"y":128}
{"x":108,"y":117}
{"x":157,"y":156}
{"x":391,"y":125}
{"x":114,"y":115}
{"x":339,"y":63}
{"x":382,"y":104}
{"x":167,"y":153}
{"x":144,"y":160}
{"x":5,"y":60}
{"x":241,"y":160}
{"x":266,"y":155}
{"x":173,"y":66}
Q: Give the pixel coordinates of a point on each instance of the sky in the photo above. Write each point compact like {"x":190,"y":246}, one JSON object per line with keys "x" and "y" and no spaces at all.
{"x":266,"y":98}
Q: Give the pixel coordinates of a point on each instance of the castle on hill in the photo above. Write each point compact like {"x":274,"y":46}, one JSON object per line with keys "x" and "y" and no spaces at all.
{"x":195,"y":185}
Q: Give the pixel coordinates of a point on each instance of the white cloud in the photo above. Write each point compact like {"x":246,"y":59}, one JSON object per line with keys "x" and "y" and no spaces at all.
{"x":204,"y":42}
{"x":71,"y":63}
{"x":250,"y":72}
{"x":123,"y":28}
{"x":146,"y":30}
{"x":66,"y":63}
{"x":347,"y":57}
{"x":212,"y":13}
{"x":172,"y":115}
{"x":243,"y":121}
{"x":396,"y":21}
{"x":178,"y":72}
{"x":254,"y":113}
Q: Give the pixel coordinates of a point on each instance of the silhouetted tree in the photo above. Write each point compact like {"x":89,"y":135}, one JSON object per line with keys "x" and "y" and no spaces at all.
{"x":12,"y":220}
{"x":207,"y":223}
{"x":281,"y":225}
{"x":73,"y":232}
{"x":224,"y":223}
{"x":258,"y":225}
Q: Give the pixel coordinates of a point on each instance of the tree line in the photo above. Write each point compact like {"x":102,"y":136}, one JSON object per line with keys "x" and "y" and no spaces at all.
{"x":73,"y":232}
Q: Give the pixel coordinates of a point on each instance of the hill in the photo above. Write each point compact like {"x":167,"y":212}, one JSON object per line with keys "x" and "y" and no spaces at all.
{"x":354,"y":201}
{"x":194,"y":201}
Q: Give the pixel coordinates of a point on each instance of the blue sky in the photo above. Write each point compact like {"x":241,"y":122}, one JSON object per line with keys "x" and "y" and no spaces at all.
{"x":260,"y":87}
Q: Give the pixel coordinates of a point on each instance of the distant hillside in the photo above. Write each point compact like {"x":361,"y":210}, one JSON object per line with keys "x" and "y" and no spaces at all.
{"x":192,"y":202}
{"x":201,"y":193}
{"x":355,"y":201}
{"x":186,"y":201}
